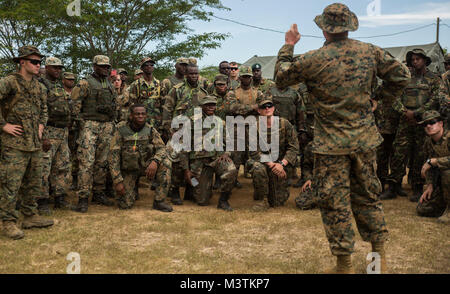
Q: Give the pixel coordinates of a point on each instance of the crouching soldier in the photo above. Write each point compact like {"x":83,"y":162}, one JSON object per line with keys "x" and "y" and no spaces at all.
{"x":199,"y":165}
{"x":137,"y":150}
{"x":270,"y":176}
{"x":435,"y":199}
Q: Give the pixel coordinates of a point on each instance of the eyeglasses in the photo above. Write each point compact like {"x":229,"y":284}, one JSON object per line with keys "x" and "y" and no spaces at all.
{"x":266,"y":106}
{"x":34,"y":61}
{"x":430,"y":122}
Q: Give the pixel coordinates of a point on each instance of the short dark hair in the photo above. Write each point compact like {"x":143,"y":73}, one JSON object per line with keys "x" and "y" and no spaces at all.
{"x":136,"y":105}
{"x":223,"y":63}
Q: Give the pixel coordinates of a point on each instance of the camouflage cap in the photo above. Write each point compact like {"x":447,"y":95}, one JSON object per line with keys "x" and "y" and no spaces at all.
{"x":208,"y":100}
{"x":122,"y":70}
{"x":25,"y":51}
{"x":138,"y":72}
{"x":68,"y":75}
{"x":417,"y":51}
{"x":192,"y":60}
{"x":263,"y":100}
{"x":430,"y":115}
{"x":146,"y":59}
{"x":245,"y":71}
{"x":337,"y":18}
{"x":256,"y":66}
{"x":101,"y":60}
{"x":183,"y":60}
{"x":447,"y":58}
{"x":221,"y":79}
{"x":53,"y":61}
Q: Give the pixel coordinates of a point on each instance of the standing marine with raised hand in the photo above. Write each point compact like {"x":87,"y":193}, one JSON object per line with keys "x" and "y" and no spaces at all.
{"x":340,"y":77}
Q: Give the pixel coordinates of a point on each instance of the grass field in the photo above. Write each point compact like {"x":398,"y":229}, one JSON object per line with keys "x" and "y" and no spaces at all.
{"x":195,"y":239}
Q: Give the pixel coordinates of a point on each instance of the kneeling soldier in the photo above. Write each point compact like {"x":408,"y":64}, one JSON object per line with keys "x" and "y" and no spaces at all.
{"x":137,"y":150}
{"x":202,"y":164}
{"x":435,"y":199}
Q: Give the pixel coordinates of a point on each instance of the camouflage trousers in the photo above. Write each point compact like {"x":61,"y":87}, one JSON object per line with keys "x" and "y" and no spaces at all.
{"x":56,"y":165}
{"x":408,"y":144}
{"x":348,"y":184}
{"x":440,"y":198}
{"x":177,"y":180}
{"x":93,"y":150}
{"x":73,"y":146}
{"x":203,"y":170}
{"x":20,"y":174}
{"x":163,"y":177}
{"x":306,"y":200}
{"x":384,"y":156}
{"x":267,"y":185}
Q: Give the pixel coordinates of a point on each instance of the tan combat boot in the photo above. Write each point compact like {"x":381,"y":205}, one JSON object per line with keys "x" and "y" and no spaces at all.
{"x":343,"y":266}
{"x":261,"y":205}
{"x":36,"y":221}
{"x":445,"y":217}
{"x":11,"y":230}
{"x":379,"y":248}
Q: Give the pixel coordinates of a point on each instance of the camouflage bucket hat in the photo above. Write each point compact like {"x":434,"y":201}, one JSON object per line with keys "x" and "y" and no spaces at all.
{"x":447,"y":58}
{"x":208,"y":100}
{"x":53,"y":61}
{"x":101,"y":60}
{"x":122,"y":70}
{"x":221,"y":79}
{"x":146,"y":59}
{"x":337,"y":18}
{"x":68,"y":76}
{"x":138,"y":72}
{"x":27,"y":51}
{"x":430,"y":115}
{"x":183,"y":60}
{"x":263,"y":100}
{"x":245,"y":71}
{"x":192,"y":60}
{"x":420,"y":52}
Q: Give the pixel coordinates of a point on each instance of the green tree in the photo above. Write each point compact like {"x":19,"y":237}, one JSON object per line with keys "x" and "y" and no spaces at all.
{"x":124,"y":30}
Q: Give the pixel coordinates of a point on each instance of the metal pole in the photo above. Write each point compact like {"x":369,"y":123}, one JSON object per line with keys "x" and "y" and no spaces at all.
{"x":437,"y":30}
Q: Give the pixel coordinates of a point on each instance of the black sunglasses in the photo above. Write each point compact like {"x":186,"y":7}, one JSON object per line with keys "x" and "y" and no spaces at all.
{"x":34,"y":61}
{"x":233,"y":68}
{"x":430,"y":122}
{"x":265,"y":106}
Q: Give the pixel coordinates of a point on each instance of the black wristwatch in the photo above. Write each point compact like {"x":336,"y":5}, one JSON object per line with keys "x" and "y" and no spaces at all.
{"x":281,"y":162}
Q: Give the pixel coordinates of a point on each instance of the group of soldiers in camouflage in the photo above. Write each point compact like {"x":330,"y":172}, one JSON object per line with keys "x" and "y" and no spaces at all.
{"x":341,"y":119}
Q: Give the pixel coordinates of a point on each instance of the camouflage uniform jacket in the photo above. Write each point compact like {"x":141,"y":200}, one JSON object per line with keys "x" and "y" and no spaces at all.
{"x":340,"y":77}
{"x":224,"y":103}
{"x":168,"y":83}
{"x":132,"y":151}
{"x":149,"y":94}
{"x":264,"y":85}
{"x":198,"y":149}
{"x":439,"y":150}
{"x":29,"y":111}
{"x":288,"y":143}
{"x":423,"y":92}
{"x":231,"y":85}
{"x":446,"y":79}
{"x":181,"y":101}
{"x":245,"y":99}
{"x":289,"y":105}
{"x":123,"y":104}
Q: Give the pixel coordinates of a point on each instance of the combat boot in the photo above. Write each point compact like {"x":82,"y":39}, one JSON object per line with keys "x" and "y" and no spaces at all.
{"x":399,"y":190}
{"x":378,"y":247}
{"x":261,"y":205}
{"x":100,"y":198}
{"x":36,"y":221}
{"x":389,"y":193}
{"x":61,"y":203}
{"x":43,"y":207}
{"x":417,"y":192}
{"x":174,"y":195}
{"x":445,"y":217}
{"x":162,"y":206}
{"x":223,"y":201}
{"x":343,"y":266}
{"x":82,"y":205}
{"x":12,"y":231}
